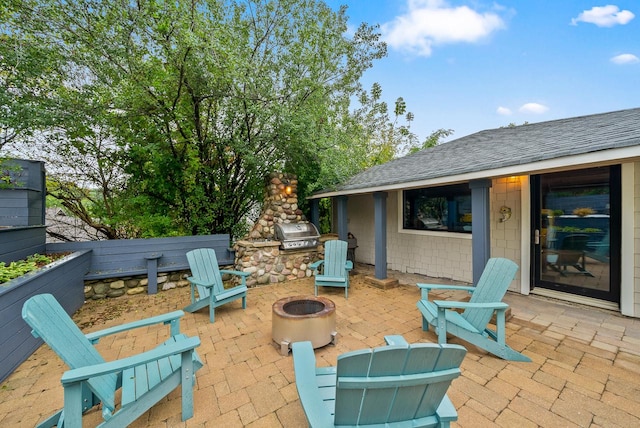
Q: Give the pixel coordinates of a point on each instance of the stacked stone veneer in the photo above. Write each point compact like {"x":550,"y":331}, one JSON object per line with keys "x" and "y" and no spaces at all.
{"x":260,"y":254}
{"x":278,"y":207}
{"x":268,"y":264}
{"x":116,"y":287}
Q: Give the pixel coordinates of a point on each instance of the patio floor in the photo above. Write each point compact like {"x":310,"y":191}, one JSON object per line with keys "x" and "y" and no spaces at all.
{"x":585,"y":370}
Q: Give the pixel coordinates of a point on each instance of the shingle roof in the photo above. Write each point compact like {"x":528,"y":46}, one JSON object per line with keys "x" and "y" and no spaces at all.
{"x":503,"y":147}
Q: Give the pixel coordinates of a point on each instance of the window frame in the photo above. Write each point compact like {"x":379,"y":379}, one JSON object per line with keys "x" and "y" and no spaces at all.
{"x":449,"y":191}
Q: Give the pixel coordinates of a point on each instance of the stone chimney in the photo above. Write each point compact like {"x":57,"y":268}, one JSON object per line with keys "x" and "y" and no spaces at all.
{"x":280,"y":206}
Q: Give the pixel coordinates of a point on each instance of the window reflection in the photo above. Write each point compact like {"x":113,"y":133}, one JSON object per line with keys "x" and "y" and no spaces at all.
{"x":444,"y":208}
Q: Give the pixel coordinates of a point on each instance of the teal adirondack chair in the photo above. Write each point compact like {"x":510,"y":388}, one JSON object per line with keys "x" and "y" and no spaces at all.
{"x":207,"y":279}
{"x":396,"y":385}
{"x":335,"y":267}
{"x":145,"y":378}
{"x":472,"y":324}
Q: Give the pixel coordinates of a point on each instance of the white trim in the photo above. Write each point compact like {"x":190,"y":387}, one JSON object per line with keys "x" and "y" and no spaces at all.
{"x":525,"y":235}
{"x":575,"y":298}
{"x":627,"y":248}
{"x":587,"y":160}
{"x":443,"y":234}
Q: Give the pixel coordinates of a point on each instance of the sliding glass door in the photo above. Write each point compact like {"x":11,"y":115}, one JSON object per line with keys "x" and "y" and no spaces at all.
{"x":576,"y":232}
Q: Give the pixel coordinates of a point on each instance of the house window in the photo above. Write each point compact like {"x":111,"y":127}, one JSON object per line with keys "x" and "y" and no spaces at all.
{"x":445,"y":208}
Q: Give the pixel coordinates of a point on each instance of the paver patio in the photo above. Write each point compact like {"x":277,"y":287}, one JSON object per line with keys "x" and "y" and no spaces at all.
{"x":585,"y":370}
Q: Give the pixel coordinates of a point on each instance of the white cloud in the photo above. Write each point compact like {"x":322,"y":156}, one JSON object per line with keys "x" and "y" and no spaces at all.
{"x":604,"y":16}
{"x":534,"y":108}
{"x":433,"y":22}
{"x":504,"y":111}
{"x":625,"y":59}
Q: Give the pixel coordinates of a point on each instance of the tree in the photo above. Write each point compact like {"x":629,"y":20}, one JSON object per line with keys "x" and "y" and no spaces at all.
{"x":199,"y":100}
{"x":432,"y":140}
{"x":368,"y":137}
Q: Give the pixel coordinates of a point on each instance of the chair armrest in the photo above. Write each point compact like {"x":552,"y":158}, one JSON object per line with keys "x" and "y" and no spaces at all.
{"x":396,"y":340}
{"x":304,"y":367}
{"x":425,"y":288}
{"x":88,"y":372}
{"x":449,"y":304}
{"x":169,"y":318}
{"x":198,"y":281}
{"x":348,"y":265}
{"x":315,"y":265}
{"x":235,"y":272}
{"x":446,"y":287}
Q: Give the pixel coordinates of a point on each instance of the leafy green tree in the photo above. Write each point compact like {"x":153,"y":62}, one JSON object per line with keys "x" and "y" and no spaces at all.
{"x":198,"y":100}
{"x":368,"y":136}
{"x":432,"y":140}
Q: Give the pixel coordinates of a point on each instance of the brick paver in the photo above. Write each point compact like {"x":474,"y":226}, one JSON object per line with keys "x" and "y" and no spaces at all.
{"x":585,"y":370}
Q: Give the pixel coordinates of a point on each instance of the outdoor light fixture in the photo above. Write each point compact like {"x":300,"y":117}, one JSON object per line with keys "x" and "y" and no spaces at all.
{"x":288,"y":189}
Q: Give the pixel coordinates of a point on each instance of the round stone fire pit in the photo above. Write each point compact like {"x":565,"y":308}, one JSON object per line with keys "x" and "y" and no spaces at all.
{"x":300,"y":318}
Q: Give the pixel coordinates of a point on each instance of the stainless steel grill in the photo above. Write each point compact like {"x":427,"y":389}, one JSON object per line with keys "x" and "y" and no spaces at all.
{"x":294,"y":236}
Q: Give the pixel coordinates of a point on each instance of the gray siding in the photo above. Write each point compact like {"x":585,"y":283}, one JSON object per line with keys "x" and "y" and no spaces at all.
{"x":122,"y":257}
{"x":63,"y":279}
{"x":23,"y":204}
{"x":19,"y":242}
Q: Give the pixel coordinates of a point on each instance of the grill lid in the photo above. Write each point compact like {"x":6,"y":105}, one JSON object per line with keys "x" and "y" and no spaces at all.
{"x":297,"y":235}
{"x":293,"y":231}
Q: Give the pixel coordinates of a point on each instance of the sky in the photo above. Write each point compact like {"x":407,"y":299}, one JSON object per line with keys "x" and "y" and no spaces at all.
{"x":475,"y":65}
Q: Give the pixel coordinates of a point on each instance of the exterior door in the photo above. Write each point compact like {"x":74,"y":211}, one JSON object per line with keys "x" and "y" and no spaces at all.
{"x":576,"y":232}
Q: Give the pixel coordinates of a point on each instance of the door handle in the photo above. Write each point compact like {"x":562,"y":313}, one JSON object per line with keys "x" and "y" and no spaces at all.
{"x":536,"y":237}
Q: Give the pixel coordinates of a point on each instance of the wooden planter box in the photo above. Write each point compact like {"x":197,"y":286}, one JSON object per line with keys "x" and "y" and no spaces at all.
{"x":63,"y":278}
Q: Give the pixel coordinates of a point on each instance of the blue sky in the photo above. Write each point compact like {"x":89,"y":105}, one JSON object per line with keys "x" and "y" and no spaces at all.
{"x":475,"y":65}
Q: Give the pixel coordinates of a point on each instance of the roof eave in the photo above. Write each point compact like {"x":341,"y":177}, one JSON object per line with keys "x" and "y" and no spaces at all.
{"x":585,"y":160}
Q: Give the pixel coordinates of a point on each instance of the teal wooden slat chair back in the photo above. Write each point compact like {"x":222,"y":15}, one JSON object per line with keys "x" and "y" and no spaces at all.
{"x":396,"y":385}
{"x":92,"y":380}
{"x":473,"y":324}
{"x":206,"y":278}
{"x":335,"y":267}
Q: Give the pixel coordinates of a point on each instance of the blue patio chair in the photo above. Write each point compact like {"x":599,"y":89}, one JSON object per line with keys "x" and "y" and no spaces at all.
{"x":144,"y":378}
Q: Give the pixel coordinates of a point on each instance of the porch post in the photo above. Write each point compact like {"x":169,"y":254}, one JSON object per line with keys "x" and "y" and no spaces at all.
{"x":315,"y":212}
{"x":341,"y":202}
{"x":481,"y":226}
{"x":380,"y":234}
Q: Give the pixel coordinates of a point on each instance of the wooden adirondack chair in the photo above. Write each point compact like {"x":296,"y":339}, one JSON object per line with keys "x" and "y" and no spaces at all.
{"x":144,"y":378}
{"x":335,"y":267}
{"x":572,"y":253}
{"x":396,"y":385}
{"x":472,"y":324}
{"x":207,"y":279}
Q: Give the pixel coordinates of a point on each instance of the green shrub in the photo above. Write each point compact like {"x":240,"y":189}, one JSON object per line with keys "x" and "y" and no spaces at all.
{"x":20,"y":267}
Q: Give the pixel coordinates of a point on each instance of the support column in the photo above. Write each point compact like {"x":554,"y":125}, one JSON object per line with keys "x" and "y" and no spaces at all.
{"x":380,"y":233}
{"x":481,"y":226}
{"x":315,"y":212}
{"x":342,"y":226}
{"x":380,"y":278}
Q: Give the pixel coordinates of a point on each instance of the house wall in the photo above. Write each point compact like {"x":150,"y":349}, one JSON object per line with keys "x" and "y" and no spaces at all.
{"x":427,"y":253}
{"x":436,"y":254}
{"x":636,"y":242}
{"x":506,"y":236}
